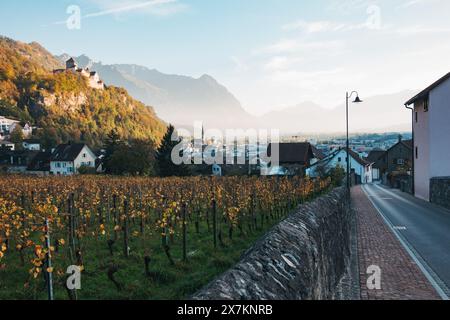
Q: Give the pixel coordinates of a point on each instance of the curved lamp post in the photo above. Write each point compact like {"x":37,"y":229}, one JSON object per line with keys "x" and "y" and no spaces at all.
{"x":357,"y":100}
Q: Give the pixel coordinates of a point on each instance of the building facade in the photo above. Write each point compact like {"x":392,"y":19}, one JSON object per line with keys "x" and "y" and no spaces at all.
{"x":431,"y":131}
{"x":67,"y":159}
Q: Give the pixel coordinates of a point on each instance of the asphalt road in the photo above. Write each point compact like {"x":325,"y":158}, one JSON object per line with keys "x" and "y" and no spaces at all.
{"x":424,"y":227}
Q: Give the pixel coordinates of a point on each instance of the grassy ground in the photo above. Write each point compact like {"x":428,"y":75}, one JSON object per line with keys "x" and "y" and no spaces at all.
{"x":165,"y":281}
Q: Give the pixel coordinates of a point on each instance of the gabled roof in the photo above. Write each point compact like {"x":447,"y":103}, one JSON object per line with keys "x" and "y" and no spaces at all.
{"x":424,"y":93}
{"x":406,"y":143}
{"x":67,"y":152}
{"x":298,"y":153}
{"x":375,"y":155}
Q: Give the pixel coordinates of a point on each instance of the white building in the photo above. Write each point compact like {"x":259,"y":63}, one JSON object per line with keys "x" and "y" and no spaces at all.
{"x":362,"y":168}
{"x":68,"y":158}
{"x":431,"y":135}
{"x":7,"y":125}
{"x":7,"y":144}
{"x":31,"y":144}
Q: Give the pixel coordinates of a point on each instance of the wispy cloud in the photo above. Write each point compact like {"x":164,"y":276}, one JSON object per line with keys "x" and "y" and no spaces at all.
{"x":119,"y":7}
{"x":156,"y":7}
{"x":323,"y":26}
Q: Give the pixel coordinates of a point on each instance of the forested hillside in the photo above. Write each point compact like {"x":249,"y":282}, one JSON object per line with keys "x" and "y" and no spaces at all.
{"x":62,"y":105}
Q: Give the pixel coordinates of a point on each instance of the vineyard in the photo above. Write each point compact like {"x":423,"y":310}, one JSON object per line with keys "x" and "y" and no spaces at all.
{"x":134,"y":238}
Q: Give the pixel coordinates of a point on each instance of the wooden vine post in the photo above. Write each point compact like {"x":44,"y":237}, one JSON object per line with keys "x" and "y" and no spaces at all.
{"x":214,"y":217}
{"x":49,"y":271}
{"x":183,"y":214}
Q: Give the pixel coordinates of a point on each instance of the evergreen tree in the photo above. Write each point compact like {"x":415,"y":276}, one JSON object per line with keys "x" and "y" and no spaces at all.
{"x":112,"y":144}
{"x":166,"y":167}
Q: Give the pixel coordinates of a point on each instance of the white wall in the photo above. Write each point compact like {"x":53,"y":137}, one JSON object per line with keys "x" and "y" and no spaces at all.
{"x":422,"y":162}
{"x":85,"y":158}
{"x":440,"y":131}
{"x":366,"y":174}
{"x":64,"y":168}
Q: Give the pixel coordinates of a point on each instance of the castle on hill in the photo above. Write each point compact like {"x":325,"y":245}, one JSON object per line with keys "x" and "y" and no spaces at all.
{"x":92,"y":76}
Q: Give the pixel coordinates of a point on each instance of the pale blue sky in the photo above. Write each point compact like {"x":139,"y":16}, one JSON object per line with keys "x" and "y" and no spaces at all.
{"x":269,"y":53}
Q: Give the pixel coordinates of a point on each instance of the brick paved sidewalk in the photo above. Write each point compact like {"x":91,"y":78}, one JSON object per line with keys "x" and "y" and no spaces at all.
{"x":401,"y":278}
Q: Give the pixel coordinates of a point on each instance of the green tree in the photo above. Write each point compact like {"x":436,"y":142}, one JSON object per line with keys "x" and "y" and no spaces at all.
{"x":16,"y":135}
{"x":112,"y":144}
{"x":166,"y":167}
{"x":134,"y":158}
{"x":337,"y":176}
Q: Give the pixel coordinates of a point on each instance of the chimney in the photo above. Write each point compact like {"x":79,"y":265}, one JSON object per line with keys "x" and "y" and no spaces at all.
{"x":400,"y":137}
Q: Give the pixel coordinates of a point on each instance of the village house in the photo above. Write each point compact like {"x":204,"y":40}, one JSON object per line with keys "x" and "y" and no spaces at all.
{"x":93,"y":77}
{"x":31,"y":144}
{"x":15,"y":161}
{"x":40,"y":164}
{"x":8,"y":125}
{"x":431,"y":140}
{"x":377,"y":157}
{"x":7,"y":145}
{"x":361,"y":168}
{"x":67,"y":159}
{"x":294,"y":159}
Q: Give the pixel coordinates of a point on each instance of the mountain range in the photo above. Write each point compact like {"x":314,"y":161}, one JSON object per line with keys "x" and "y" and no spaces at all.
{"x":181,"y":100}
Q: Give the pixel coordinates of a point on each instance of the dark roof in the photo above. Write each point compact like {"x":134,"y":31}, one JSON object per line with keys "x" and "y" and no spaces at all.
{"x":424,"y":93}
{"x":318,"y":153}
{"x":67,"y":152}
{"x":41,"y":162}
{"x":298,"y":153}
{"x":407,"y":143}
{"x":71,"y":60}
{"x":375,"y":155}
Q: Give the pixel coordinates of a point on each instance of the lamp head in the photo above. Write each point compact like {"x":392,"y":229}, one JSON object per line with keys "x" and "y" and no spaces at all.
{"x":357,"y":100}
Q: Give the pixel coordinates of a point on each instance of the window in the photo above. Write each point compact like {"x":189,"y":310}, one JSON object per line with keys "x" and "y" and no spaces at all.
{"x":339,"y":159}
{"x":417,"y":152}
{"x":400,"y":162}
{"x":84,"y":155}
{"x":426,"y":105}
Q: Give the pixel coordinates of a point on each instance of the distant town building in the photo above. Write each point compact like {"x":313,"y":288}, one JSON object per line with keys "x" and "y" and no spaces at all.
{"x":431,"y":135}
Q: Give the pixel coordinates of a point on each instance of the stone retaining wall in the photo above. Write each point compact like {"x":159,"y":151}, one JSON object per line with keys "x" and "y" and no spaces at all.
{"x":302,"y":258}
{"x":440,"y":191}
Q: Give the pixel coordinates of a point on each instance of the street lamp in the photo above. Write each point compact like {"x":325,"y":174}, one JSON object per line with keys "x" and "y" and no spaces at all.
{"x":357,"y":100}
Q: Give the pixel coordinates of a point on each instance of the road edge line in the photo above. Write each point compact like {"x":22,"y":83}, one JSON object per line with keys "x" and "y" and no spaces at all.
{"x":413,"y":254}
